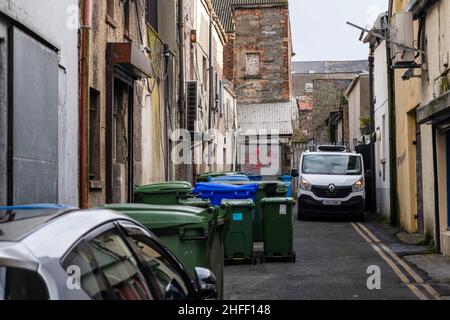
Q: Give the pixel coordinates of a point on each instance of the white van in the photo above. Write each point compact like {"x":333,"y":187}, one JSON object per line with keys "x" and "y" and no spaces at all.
{"x":331,"y":182}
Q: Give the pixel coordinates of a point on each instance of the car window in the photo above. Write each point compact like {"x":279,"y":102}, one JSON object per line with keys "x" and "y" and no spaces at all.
{"x":20,"y":284}
{"x":169,"y":279}
{"x":120,"y":267}
{"x":326,"y":164}
{"x":90,"y":275}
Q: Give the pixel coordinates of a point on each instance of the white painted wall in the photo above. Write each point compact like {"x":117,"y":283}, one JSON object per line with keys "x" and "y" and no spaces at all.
{"x":382,"y":165}
{"x":354,"y":115}
{"x":57,"y":21}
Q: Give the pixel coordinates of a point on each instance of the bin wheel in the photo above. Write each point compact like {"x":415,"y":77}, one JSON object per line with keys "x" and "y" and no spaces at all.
{"x":263,"y":259}
{"x":294,"y":258}
{"x":254,"y":260}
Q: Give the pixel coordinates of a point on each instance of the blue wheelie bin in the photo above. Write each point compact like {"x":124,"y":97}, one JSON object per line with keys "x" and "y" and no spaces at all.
{"x":235,"y":178}
{"x":288,"y":182}
{"x":218,"y":192}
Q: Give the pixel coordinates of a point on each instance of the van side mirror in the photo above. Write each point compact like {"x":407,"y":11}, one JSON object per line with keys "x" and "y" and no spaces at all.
{"x":295,"y":173}
{"x":207,"y":284}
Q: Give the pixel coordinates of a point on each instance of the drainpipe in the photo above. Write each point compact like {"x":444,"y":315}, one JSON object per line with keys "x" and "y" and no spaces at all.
{"x":372,"y":127}
{"x":392,"y":138}
{"x":85,"y":30}
{"x":181,"y":43}
{"x":167,"y":104}
{"x":437,"y":224}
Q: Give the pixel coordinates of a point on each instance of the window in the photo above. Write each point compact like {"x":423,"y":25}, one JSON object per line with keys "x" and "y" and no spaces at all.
{"x":120,"y":267}
{"x":91,"y":278}
{"x":126,"y":16}
{"x":19,"y":284}
{"x":332,"y":165}
{"x":309,"y":87}
{"x":110,"y":7}
{"x":152,"y":13}
{"x":170,"y":281}
{"x":94,"y":137}
{"x":253,"y":68}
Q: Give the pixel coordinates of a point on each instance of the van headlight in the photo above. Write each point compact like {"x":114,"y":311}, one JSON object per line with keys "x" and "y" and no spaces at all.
{"x":304,"y":184}
{"x":359,"y":185}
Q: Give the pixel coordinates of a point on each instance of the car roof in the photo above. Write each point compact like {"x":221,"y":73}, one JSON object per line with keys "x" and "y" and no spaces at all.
{"x":51,"y":236}
{"x":18,"y":221}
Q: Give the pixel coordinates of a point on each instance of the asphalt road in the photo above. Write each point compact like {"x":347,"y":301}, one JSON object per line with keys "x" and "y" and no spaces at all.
{"x":332,"y":263}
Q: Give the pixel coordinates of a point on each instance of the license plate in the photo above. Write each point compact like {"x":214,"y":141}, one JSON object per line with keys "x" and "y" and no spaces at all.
{"x":332,"y":202}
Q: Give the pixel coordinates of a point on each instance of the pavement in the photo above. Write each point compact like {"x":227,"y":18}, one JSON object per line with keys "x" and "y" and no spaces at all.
{"x":333,"y":258}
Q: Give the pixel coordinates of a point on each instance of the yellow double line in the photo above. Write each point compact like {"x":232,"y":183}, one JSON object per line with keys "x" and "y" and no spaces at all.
{"x":422,"y":290}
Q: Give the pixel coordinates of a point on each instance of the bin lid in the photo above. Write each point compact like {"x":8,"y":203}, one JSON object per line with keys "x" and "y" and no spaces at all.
{"x":164,"y":217}
{"x":163,"y":187}
{"x":239,"y":203}
{"x":237,"y":177}
{"x":211,"y":187}
{"x":277,"y":201}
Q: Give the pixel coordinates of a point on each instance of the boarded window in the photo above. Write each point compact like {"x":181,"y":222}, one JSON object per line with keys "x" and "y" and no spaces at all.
{"x":253,"y":68}
{"x":94,"y":138}
{"x":110,"y":8}
{"x":152,"y":13}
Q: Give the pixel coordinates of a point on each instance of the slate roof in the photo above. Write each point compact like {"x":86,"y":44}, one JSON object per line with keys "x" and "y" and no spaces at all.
{"x":358,"y":66}
{"x":224,"y":8}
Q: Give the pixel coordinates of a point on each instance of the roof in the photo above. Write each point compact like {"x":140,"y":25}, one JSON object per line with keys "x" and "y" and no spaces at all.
{"x":268,"y":116}
{"x":351,"y":66}
{"x":224,"y":9}
{"x":355,"y":82}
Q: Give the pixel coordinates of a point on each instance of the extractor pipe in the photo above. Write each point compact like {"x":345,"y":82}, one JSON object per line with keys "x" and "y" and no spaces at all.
{"x":181,"y":43}
{"x":394,"y":218}
{"x":372,"y":129}
{"x":85,"y":30}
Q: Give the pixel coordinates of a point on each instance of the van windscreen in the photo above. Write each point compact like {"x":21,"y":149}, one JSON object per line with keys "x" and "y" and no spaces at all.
{"x":327,"y":164}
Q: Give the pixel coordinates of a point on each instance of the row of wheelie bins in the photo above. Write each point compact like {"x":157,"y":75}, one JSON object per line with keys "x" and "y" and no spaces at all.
{"x":216,"y":221}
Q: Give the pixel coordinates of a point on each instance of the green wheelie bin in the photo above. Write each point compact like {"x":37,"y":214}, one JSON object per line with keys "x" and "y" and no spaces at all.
{"x":166,"y":193}
{"x":278,"y":229}
{"x":266,"y":189}
{"x":239,"y":238}
{"x":194,"y":235}
{"x":195,"y":202}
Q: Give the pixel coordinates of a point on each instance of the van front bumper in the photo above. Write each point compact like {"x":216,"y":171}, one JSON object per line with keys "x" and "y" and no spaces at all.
{"x":354,"y":205}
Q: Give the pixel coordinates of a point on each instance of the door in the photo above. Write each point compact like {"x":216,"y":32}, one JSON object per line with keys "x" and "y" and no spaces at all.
{"x":122,"y":163}
{"x":32,"y":120}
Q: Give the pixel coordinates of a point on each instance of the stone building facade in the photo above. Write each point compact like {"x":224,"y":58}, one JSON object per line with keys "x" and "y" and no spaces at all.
{"x":318,"y":88}
{"x":258,"y":63}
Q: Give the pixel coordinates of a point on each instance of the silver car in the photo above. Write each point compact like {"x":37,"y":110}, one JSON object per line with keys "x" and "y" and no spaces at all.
{"x":61,"y":253}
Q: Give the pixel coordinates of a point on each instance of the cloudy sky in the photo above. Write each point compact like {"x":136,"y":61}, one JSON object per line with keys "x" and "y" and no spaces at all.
{"x":319,"y":30}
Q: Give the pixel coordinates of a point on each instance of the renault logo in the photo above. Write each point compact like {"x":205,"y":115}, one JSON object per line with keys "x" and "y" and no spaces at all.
{"x":331,"y":187}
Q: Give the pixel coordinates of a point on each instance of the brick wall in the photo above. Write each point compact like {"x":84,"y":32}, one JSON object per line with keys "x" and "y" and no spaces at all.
{"x":263,"y":31}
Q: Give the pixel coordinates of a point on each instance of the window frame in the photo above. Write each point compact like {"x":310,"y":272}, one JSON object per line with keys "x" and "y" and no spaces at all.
{"x":98,"y":231}
{"x":141,"y":235}
{"x":257,"y":75}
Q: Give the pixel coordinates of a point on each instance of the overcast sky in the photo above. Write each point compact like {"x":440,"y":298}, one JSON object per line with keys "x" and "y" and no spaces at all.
{"x":319,"y":30}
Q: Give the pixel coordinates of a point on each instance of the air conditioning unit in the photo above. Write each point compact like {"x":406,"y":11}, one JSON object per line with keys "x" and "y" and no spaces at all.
{"x":402,"y":31}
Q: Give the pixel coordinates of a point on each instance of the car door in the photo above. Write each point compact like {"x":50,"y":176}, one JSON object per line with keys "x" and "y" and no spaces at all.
{"x":109,"y":269}
{"x":171,"y":276}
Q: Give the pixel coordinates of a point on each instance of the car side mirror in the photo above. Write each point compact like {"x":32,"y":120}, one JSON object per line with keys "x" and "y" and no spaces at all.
{"x":295,"y":173}
{"x":207,"y":284}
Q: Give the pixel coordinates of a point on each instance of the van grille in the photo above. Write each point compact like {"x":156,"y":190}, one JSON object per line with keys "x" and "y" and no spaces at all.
{"x":338,"y":193}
